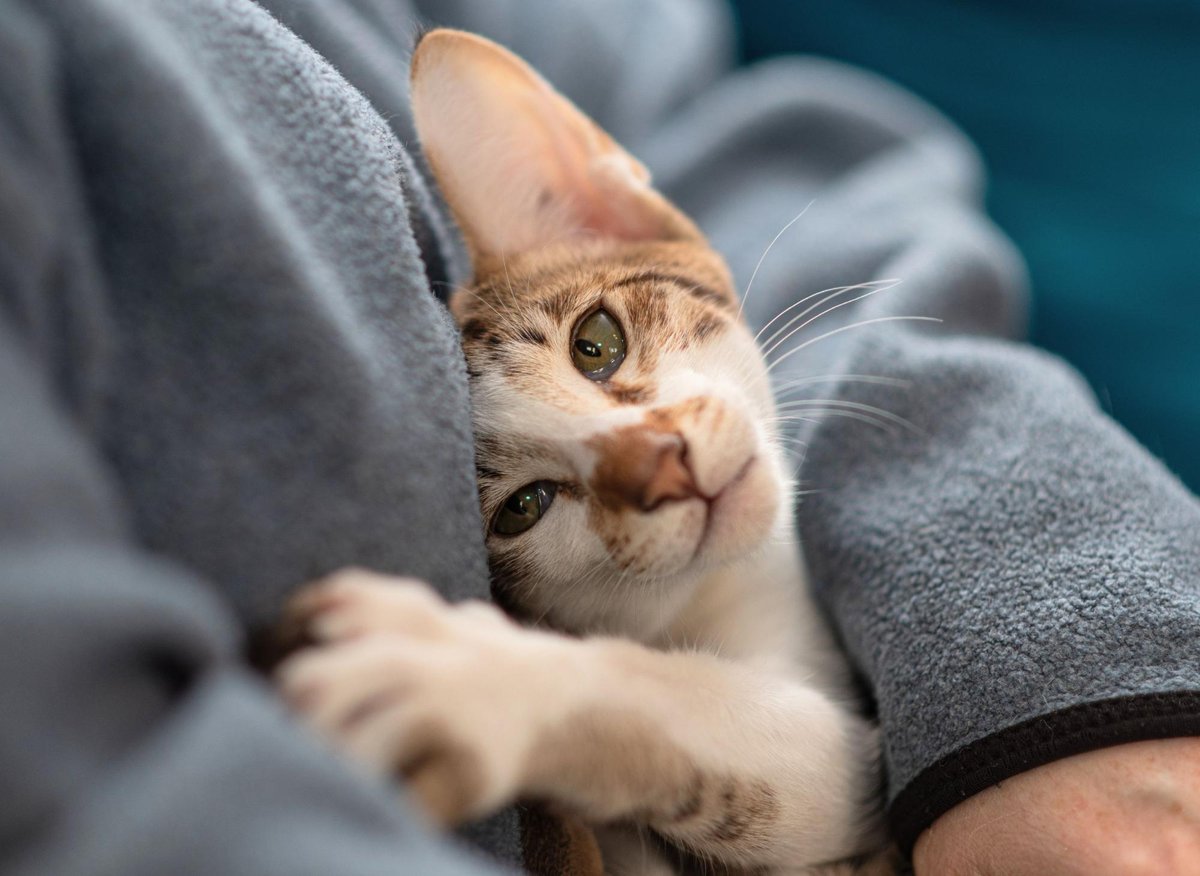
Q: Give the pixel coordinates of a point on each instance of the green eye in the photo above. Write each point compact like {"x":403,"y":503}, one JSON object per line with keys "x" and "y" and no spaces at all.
{"x":598,"y":348}
{"x":524,"y":508}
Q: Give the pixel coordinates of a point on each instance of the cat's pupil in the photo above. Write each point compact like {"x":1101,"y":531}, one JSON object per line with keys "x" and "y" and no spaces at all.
{"x":588,"y":348}
{"x":522,"y":503}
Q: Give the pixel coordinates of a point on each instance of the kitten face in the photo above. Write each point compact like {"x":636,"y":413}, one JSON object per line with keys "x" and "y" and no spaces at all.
{"x":622,"y":412}
{"x":658,"y":472}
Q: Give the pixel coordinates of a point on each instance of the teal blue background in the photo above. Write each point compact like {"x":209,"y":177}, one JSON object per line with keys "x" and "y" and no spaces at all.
{"x":1088,"y":117}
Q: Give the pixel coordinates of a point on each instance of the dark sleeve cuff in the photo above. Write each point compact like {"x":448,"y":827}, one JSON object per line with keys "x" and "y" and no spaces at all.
{"x":1031,"y":744}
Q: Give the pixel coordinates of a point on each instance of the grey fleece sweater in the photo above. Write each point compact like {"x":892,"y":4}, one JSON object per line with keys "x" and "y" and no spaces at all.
{"x":224,"y":371}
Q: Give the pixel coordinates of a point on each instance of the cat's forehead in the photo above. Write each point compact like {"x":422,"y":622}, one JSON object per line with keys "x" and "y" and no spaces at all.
{"x":556,"y":279}
{"x":518,"y":321}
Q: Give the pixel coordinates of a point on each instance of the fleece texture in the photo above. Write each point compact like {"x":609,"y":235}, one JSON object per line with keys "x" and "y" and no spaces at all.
{"x":224,"y":370}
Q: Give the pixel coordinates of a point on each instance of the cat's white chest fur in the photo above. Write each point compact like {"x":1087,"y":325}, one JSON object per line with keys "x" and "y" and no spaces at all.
{"x":760,"y":611}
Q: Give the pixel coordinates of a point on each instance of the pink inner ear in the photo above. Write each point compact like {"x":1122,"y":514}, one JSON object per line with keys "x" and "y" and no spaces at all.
{"x":619,"y":202}
{"x":602,"y":219}
{"x":520,"y":165}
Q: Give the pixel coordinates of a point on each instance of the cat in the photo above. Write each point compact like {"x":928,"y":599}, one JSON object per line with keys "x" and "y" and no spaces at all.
{"x":635,"y":498}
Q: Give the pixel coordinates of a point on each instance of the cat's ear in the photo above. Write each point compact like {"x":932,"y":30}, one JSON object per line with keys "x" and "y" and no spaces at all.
{"x":519,"y":164}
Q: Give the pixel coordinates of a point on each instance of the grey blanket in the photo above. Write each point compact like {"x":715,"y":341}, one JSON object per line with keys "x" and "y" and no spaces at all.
{"x":224,"y":371}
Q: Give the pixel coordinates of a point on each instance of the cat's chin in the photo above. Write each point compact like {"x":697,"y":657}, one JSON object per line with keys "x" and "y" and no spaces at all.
{"x":741,"y":518}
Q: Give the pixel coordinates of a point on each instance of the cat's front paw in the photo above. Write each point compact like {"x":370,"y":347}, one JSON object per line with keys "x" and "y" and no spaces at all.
{"x":450,"y":697}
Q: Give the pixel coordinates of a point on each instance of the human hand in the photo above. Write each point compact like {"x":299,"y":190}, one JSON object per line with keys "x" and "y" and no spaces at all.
{"x":1127,"y":810}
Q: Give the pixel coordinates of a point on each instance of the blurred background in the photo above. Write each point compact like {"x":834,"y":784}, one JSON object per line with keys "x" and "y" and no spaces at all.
{"x":1087,"y":113}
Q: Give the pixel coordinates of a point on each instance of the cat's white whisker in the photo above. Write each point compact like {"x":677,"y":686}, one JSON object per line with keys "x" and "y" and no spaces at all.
{"x":784,"y":442}
{"x":783,"y":389}
{"x":882,"y":424}
{"x":472,"y":292}
{"x":772,"y":345}
{"x":802,"y":404}
{"x":551,"y":604}
{"x":804,"y":300}
{"x":821,"y":410}
{"x":832,"y":292}
{"x":837,"y":331}
{"x":782,"y":418}
{"x":762,"y":258}
{"x":507,"y":277}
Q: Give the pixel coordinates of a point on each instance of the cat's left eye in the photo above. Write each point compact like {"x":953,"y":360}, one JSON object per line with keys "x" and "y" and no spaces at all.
{"x":598,"y":345}
{"x":524,"y":508}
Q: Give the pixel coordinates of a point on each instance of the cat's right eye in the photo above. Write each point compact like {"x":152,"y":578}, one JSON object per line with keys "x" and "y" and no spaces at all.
{"x":524,"y":508}
{"x":598,"y":347}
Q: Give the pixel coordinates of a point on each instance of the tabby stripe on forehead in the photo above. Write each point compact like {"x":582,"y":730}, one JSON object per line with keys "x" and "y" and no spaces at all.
{"x":485,"y":473}
{"x":529,"y":335}
{"x":475,"y":329}
{"x":696,"y":290}
{"x":558,"y":306}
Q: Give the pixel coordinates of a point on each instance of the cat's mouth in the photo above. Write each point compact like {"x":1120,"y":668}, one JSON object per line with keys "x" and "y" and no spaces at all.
{"x":720,"y":506}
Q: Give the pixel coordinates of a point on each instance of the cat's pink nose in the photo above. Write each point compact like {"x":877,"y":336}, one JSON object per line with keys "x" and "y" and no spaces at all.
{"x":642,"y":468}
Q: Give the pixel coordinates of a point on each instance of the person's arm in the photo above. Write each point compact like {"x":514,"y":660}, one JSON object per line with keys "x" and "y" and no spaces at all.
{"x":132,"y":741}
{"x":1127,"y":810}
